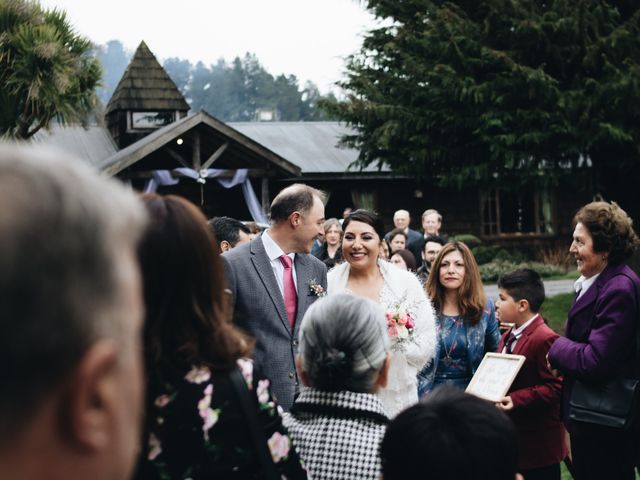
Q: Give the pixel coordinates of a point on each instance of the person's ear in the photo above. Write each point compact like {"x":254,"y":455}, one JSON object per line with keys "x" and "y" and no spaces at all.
{"x":383,"y":376}
{"x":89,"y":404}
{"x":302,"y":374}
{"x":225,"y":246}
{"x":295,"y":219}
{"x":523,"y":305}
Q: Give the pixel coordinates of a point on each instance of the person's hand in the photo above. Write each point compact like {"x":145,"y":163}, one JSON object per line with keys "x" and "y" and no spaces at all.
{"x":505,"y":404}
{"x":553,"y":371}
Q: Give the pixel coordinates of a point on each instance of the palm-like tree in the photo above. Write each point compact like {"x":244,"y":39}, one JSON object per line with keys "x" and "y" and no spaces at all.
{"x":46,"y":69}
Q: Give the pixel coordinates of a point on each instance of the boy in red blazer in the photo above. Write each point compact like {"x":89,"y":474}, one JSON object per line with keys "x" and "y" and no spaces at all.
{"x":533,"y":401}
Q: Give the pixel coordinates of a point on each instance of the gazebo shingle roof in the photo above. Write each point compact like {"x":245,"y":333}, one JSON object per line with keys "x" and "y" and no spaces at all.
{"x":146,"y":86}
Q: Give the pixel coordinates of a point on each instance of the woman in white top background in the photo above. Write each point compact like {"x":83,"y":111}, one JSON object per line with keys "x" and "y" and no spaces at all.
{"x":410,"y":317}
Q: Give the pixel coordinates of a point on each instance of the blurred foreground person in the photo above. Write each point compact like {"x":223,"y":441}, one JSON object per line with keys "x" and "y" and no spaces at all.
{"x":450,"y":436}
{"x":202,"y":392}
{"x":337,"y":421}
{"x":71,"y":315}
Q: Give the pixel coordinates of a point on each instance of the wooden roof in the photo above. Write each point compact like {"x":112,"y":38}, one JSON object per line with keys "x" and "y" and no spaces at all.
{"x":216,"y":142}
{"x":146,"y":86}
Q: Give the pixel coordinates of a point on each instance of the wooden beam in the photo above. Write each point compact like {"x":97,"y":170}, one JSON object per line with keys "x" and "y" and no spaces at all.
{"x":177,"y":157}
{"x":215,"y":156}
{"x":196,"y":150}
{"x":266,"y":202}
{"x":258,"y":173}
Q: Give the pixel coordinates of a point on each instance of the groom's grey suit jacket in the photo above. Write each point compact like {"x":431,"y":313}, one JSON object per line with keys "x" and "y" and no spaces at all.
{"x":259,"y":309}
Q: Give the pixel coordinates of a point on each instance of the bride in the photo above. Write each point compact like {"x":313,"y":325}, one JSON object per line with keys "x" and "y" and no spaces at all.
{"x":410,"y":318}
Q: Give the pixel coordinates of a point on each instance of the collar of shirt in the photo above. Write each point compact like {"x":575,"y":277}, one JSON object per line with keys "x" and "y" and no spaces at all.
{"x":274,"y":252}
{"x":582,"y":284}
{"x":520,"y":330}
{"x":517,"y":333}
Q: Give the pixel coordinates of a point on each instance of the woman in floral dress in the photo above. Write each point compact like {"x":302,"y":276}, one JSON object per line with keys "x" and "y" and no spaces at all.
{"x":411,"y":322}
{"x":467,"y":325}
{"x":195,"y":427}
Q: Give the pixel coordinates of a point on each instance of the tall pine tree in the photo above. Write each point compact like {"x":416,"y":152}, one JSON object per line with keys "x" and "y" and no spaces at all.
{"x":504,"y":92}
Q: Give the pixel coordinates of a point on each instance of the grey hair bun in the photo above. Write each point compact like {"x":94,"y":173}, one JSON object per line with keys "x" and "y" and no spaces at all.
{"x":343,"y":343}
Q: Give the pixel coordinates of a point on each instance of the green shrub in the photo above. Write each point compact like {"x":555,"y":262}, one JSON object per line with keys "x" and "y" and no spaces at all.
{"x":490,"y":272}
{"x":485,"y":253}
{"x":467,"y":238}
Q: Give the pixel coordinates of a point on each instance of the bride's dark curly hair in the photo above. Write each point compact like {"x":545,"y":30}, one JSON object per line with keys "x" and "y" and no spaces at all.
{"x":611,"y":229}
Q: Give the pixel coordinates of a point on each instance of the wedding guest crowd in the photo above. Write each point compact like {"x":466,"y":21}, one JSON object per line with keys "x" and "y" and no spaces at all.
{"x":262,"y":360}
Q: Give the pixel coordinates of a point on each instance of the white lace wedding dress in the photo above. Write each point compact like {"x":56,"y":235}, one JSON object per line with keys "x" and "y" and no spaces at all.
{"x":401,"y":289}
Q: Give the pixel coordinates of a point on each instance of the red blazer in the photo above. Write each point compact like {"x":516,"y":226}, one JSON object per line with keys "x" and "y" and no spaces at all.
{"x":536,"y":400}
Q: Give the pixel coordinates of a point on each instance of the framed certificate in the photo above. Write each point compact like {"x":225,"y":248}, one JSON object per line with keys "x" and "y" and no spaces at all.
{"x":494,"y":376}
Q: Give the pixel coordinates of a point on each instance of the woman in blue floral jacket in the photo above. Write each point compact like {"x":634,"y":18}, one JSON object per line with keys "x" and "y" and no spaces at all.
{"x":466,"y":321}
{"x":195,"y":427}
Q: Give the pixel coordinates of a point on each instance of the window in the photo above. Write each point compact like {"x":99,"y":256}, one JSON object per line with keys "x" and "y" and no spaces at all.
{"x":527,"y":211}
{"x":150,"y":120}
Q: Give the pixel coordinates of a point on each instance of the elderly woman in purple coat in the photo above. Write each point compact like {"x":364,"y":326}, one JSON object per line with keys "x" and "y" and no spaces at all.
{"x":600,"y":334}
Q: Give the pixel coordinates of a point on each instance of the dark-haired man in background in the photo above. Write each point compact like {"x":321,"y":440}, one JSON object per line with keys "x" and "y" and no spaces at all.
{"x":229,"y":232}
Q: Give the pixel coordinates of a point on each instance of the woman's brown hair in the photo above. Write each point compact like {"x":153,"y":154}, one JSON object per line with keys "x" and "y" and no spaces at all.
{"x":611,"y":229}
{"x":187,"y":320}
{"x":471,"y":297}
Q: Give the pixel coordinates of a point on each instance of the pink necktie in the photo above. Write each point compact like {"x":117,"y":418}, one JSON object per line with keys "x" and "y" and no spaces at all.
{"x":290,"y":295}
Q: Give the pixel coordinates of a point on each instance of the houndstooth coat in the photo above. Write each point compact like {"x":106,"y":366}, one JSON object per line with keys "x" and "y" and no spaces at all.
{"x":337,"y":434}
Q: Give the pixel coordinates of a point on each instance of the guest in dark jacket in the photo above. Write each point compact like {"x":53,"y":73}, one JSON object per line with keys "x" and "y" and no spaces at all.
{"x":599,"y":342}
{"x":195,"y":426}
{"x":533,"y":401}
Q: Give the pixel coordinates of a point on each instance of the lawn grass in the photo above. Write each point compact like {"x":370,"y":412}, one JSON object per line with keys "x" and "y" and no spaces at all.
{"x":570,"y":275}
{"x":554,"y":310}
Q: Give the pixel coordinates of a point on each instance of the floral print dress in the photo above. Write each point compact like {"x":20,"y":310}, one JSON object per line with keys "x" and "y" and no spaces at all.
{"x":195,"y":428}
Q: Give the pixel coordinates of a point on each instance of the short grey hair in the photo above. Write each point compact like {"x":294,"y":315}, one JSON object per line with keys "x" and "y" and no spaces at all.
{"x":343,"y":343}
{"x":63,"y":232}
{"x":432,"y":211}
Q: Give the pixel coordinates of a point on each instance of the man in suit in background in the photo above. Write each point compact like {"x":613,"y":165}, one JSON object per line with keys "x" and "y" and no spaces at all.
{"x":402,"y":220}
{"x":431,"y":225}
{"x":273,"y":280}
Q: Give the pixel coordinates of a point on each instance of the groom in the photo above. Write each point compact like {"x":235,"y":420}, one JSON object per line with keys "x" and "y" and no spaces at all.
{"x":271,"y":280}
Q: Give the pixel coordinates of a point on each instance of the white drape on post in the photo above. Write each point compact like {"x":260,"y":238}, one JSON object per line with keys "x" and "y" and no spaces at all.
{"x":240,"y":177}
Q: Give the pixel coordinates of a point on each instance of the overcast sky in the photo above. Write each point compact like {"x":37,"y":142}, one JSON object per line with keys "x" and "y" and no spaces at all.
{"x":307,"y":38}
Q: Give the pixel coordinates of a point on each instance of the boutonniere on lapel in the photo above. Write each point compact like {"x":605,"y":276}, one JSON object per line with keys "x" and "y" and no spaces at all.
{"x":316,"y":289}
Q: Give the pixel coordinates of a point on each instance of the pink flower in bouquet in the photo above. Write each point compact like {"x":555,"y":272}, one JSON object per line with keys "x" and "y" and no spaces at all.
{"x":402,"y":319}
{"x":393,"y":330}
{"x":410,"y":323}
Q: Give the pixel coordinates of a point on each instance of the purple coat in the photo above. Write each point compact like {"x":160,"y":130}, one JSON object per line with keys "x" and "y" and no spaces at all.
{"x":600,"y":333}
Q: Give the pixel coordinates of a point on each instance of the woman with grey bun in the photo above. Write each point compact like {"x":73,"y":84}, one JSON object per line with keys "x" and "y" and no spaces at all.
{"x":337,"y":421}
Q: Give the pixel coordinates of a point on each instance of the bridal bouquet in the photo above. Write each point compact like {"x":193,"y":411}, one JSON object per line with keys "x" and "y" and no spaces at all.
{"x":400,"y":326}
